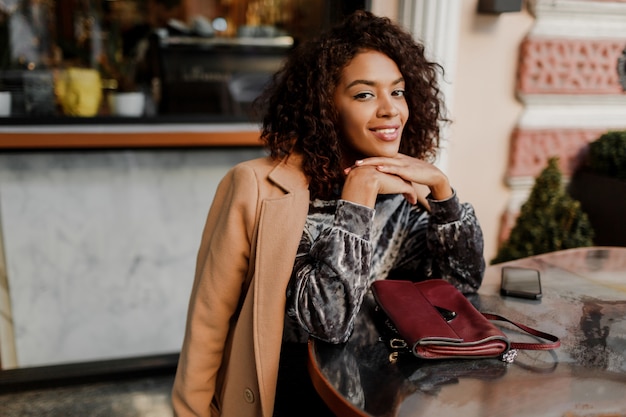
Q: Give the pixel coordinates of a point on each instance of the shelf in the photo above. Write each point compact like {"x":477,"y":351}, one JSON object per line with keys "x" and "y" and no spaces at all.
{"x":128,"y":136}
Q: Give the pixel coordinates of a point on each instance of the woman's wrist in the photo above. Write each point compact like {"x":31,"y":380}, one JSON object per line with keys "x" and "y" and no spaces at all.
{"x":363,"y":194}
{"x":442,"y":190}
{"x":361,"y":189}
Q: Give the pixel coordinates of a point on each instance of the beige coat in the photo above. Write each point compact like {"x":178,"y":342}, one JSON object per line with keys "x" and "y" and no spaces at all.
{"x":229,"y":359}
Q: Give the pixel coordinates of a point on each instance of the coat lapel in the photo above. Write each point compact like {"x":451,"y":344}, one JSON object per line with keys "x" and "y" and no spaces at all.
{"x":281,"y":224}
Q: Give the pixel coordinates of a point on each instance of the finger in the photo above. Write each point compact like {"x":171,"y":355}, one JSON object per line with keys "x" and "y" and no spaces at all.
{"x":390,"y":169}
{"x":377,"y":160}
{"x":410,"y":198}
{"x":396,"y":185}
{"x":411,"y":195}
{"x":357,"y":164}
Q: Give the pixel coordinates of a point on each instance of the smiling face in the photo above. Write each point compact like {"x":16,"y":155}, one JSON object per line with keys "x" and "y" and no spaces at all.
{"x":371,"y":106}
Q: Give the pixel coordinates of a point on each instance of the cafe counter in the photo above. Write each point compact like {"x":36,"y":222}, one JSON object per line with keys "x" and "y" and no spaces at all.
{"x":100,"y":225}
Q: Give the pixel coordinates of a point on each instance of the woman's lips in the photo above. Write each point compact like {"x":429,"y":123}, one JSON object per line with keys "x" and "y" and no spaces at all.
{"x":386,"y":133}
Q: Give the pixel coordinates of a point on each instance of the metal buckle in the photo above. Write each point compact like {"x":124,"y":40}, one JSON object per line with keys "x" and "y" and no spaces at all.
{"x":509,"y":356}
{"x":397,"y":344}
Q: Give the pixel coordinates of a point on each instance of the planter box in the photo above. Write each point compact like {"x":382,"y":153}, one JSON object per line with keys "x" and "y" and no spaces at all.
{"x":604,"y":201}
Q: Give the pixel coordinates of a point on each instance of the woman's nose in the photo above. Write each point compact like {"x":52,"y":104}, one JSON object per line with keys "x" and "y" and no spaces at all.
{"x":387,"y":108}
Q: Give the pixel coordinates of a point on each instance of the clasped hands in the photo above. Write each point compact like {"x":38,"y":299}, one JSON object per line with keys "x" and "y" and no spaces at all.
{"x":402,"y":174}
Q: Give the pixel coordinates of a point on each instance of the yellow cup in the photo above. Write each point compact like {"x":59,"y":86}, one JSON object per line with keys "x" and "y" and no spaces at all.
{"x":79,"y":91}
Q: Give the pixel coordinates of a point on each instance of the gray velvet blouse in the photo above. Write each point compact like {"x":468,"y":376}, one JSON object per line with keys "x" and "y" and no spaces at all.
{"x":346,"y":246}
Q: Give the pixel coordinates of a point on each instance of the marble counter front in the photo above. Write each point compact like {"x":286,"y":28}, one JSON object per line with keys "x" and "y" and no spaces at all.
{"x":99,"y":249}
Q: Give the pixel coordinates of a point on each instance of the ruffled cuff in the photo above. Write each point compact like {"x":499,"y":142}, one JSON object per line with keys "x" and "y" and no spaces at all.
{"x":445,"y":211}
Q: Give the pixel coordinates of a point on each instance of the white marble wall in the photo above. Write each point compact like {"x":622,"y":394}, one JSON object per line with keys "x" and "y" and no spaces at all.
{"x":100,"y":248}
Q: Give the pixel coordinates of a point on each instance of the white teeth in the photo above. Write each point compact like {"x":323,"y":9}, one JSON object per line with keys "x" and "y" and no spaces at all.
{"x":386,"y":131}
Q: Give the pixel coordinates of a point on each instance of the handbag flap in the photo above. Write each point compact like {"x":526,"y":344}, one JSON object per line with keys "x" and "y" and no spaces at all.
{"x":417,"y":311}
{"x":469,"y":323}
{"x":413,"y":316}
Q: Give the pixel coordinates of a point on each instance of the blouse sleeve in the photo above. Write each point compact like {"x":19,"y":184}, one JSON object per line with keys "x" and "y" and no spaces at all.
{"x":453,"y":247}
{"x":331,"y":274}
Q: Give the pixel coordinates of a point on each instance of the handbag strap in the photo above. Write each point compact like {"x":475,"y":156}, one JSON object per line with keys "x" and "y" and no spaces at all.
{"x":555,"y":342}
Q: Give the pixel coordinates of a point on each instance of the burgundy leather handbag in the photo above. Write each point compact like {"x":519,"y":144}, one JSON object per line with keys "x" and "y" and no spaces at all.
{"x":436,"y":321}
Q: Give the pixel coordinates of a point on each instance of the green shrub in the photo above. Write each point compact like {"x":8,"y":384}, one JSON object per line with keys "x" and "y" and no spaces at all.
{"x":607,"y":155}
{"x":549,"y":220}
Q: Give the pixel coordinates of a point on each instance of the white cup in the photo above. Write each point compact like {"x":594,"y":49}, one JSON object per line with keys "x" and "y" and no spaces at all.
{"x":127,"y":104}
{"x":5,"y":103}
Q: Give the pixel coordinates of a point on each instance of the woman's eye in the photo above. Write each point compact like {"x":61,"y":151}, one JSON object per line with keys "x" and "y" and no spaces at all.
{"x":398,"y":93}
{"x":363,"y":96}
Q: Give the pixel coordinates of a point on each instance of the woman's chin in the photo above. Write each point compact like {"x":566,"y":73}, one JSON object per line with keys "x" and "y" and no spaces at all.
{"x":388,"y":153}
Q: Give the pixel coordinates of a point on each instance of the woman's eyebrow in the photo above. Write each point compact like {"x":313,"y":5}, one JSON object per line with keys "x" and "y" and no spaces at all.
{"x":357,"y":82}
{"x":372,"y":83}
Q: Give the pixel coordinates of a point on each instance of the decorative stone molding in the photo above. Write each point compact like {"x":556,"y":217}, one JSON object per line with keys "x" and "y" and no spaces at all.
{"x":570,"y":66}
{"x":574,"y":111}
{"x":578,"y":18}
{"x":531,"y":149}
{"x":621,"y":69}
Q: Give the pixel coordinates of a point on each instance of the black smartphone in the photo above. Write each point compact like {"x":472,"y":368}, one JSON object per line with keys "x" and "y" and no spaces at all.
{"x":521,"y":282}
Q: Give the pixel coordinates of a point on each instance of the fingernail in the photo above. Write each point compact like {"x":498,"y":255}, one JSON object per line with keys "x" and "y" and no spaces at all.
{"x":359,"y":162}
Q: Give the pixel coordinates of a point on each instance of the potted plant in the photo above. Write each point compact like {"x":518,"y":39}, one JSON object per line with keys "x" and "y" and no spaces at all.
{"x":5,"y":97}
{"x":549,"y":220}
{"x":5,"y":59}
{"x":5,"y":103}
{"x":126,"y":97}
{"x":599,"y":183}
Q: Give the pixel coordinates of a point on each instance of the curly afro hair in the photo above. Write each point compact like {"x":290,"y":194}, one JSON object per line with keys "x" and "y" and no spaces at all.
{"x":300,"y":114}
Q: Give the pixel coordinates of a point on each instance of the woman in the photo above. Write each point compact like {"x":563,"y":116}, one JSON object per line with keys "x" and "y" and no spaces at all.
{"x":292,"y":241}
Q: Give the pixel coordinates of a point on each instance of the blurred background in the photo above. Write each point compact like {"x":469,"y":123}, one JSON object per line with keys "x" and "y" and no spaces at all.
{"x":102,"y":200}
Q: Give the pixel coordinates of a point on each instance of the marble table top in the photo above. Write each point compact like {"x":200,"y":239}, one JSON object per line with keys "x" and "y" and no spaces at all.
{"x":583,"y":303}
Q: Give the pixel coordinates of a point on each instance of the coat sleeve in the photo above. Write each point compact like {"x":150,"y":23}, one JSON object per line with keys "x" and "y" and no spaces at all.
{"x":221,"y":273}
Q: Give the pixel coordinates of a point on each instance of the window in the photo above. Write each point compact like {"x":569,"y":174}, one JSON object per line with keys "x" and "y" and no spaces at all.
{"x":67,"y":60}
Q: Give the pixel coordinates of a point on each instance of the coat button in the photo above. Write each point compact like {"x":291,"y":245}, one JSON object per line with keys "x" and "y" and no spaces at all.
{"x":248,"y":395}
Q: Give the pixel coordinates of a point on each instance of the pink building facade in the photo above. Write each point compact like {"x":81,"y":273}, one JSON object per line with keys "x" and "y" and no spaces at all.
{"x":569,"y":84}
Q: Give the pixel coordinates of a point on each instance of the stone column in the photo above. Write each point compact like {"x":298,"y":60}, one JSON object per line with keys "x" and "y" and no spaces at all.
{"x":436,"y":24}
